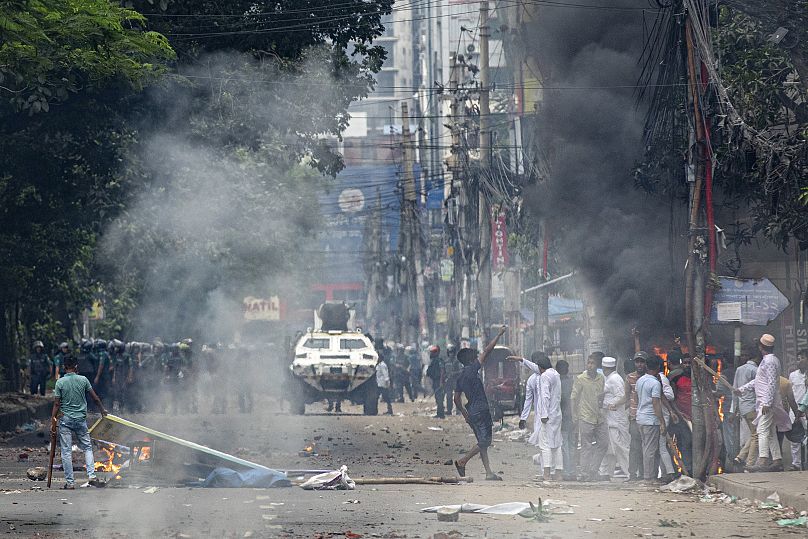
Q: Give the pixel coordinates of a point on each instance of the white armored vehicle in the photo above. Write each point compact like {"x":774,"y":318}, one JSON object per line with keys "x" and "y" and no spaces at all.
{"x":333,"y":362}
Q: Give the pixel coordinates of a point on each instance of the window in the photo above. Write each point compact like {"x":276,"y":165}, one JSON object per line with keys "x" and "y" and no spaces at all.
{"x":316,"y":344}
{"x":352,"y":344}
{"x":385,"y":83}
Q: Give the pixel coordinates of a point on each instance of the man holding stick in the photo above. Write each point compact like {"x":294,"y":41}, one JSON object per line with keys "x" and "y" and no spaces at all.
{"x":476,"y":411}
{"x":71,"y":401}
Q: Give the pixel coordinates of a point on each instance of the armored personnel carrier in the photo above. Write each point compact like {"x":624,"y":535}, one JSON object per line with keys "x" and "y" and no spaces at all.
{"x":333,"y":361}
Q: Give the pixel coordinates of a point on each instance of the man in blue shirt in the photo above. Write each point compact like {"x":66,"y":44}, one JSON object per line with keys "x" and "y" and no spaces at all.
{"x":649,"y":416}
{"x":71,"y":400}
{"x":476,"y":411}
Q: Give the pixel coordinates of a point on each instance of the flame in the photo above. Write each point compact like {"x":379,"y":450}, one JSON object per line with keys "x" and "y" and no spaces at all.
{"x":678,"y":460}
{"x":145,"y":454}
{"x":107,"y":461}
{"x":721,"y":398}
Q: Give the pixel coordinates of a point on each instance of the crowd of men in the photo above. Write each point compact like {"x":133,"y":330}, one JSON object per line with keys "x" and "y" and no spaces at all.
{"x":600,"y":424}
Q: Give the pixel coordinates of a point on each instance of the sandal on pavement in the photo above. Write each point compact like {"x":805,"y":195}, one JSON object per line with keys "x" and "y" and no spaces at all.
{"x":461,"y":470}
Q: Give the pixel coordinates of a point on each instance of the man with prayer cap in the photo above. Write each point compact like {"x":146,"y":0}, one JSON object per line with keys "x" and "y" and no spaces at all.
{"x":771,"y":416}
{"x":614,"y":406}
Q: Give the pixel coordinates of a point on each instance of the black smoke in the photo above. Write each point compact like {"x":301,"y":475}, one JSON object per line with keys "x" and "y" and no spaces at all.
{"x":590,"y":129}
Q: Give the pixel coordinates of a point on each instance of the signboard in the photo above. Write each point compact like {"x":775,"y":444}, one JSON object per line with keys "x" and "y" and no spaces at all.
{"x":760,"y":301}
{"x":499,"y":242}
{"x":728,"y":312}
{"x":262,"y":309}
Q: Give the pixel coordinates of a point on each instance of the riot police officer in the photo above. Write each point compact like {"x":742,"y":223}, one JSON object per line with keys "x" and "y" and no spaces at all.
{"x":174,"y":377}
{"x":39,"y":369}
{"x":59,"y":359}
{"x":119,"y":367}
{"x":101,"y":379}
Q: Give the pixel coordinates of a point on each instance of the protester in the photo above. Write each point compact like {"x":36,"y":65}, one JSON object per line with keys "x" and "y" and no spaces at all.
{"x":383,"y":382}
{"x":649,"y":416}
{"x":587,"y":392}
{"x":437,"y":374}
{"x":771,"y":416}
{"x":70,"y":399}
{"x":614,"y":406}
{"x":475,"y":411}
{"x":549,"y":412}
{"x":569,"y":438}
{"x":680,"y":424}
{"x":532,"y":402}
{"x":798,"y":383}
{"x":665,"y":459}
{"x":744,"y":406}
{"x":635,"y":450}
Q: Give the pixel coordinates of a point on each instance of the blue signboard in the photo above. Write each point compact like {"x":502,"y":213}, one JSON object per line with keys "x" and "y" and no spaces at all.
{"x":747,"y":301}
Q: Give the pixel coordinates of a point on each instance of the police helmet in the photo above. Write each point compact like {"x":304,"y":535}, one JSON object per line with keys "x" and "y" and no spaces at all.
{"x":64,"y":345}
{"x":86,"y":345}
{"x":100,"y":344}
{"x":451,"y":348}
{"x":38,"y":344}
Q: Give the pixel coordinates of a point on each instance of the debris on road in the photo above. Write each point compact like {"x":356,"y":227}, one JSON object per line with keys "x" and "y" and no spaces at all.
{"x":448,"y":514}
{"x":335,"y":480}
{"x":523,"y":509}
{"x":150,"y":490}
{"x":412,"y":480}
{"x":801,"y":522}
{"x":37,"y":474}
{"x":229,"y":478}
{"x":683,"y":484}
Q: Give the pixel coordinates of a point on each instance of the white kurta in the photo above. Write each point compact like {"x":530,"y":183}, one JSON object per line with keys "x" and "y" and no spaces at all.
{"x":614,"y":391}
{"x":550,"y":408}
{"x":532,"y":402}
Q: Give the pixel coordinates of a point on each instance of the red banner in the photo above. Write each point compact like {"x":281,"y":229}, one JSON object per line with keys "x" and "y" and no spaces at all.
{"x":499,"y":242}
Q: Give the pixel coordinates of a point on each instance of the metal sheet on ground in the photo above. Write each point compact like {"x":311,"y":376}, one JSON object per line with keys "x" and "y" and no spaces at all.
{"x":121,"y":431}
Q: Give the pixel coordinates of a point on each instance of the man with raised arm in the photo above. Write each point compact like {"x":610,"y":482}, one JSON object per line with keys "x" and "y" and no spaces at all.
{"x":475,"y":411}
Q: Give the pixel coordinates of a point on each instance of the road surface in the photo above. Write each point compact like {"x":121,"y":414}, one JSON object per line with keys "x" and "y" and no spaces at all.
{"x":371,"y":447}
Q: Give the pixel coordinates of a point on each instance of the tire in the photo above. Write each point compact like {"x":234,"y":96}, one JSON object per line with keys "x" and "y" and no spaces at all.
{"x":371,"y":402}
{"x":297,"y":399}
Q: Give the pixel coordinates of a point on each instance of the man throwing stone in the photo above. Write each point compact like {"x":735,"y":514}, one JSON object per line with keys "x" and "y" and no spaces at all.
{"x":71,"y":400}
{"x":476,"y":411}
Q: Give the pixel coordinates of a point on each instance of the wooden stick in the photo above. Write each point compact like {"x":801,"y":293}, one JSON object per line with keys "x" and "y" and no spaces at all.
{"x":410,"y":480}
{"x":721,"y":379}
{"x":52,"y":452}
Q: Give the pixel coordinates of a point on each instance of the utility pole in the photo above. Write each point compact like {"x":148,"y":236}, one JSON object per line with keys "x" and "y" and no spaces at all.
{"x":457,"y":162}
{"x":483,"y":208}
{"x":414,"y":260}
{"x":375,"y":270}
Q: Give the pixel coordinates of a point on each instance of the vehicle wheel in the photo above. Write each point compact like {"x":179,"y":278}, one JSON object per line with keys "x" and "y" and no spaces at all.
{"x":371,"y":403}
{"x":297,"y":401}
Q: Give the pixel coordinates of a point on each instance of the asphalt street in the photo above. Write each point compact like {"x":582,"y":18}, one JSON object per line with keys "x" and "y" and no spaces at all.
{"x":411,"y":443}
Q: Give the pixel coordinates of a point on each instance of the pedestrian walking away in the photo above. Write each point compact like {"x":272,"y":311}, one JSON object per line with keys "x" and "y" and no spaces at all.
{"x":475,"y":411}
{"x":71,"y":402}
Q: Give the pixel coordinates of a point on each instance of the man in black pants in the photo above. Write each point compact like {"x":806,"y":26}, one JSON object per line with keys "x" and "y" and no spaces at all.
{"x":476,"y":411}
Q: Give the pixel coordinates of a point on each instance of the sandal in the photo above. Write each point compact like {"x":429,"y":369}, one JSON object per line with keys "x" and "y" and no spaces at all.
{"x":493,"y":477}
{"x":69,"y":486}
{"x":461,"y":470}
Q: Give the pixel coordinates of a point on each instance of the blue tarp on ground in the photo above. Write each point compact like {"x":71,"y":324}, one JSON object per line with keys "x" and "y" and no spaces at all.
{"x":227,"y":478}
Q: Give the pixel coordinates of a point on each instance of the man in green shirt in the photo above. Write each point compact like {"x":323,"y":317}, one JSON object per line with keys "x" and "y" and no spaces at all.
{"x":71,"y":400}
{"x":587,"y":398}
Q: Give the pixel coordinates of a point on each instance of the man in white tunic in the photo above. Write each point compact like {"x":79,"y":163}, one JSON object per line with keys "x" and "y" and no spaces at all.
{"x":532,"y":399}
{"x":614,"y":404}
{"x":548,"y":414}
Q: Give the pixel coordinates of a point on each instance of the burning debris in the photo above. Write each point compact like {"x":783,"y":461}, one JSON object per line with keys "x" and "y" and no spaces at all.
{"x":126,"y":450}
